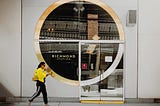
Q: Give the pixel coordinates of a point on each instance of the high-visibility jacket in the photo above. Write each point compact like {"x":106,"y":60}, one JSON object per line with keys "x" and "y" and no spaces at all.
{"x":40,"y":75}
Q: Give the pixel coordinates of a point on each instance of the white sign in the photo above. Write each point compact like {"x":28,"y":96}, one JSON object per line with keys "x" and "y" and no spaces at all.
{"x":108,"y":58}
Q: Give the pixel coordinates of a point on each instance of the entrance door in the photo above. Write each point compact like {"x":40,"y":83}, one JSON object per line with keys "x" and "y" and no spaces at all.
{"x":101,"y":71}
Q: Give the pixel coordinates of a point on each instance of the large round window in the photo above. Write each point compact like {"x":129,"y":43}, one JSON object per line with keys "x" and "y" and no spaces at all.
{"x":64,"y":25}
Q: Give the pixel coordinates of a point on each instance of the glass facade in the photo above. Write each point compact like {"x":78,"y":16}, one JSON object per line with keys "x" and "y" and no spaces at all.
{"x":75,"y":21}
{"x":71,"y":21}
{"x":61,"y":57}
{"x":96,"y":59}
{"x":80,"y":41}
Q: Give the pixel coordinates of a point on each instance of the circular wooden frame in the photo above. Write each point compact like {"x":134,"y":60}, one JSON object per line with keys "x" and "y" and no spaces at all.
{"x":49,"y":10}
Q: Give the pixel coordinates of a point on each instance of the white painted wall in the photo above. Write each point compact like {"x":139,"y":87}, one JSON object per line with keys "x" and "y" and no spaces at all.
{"x":10,"y":45}
{"x":32,"y":10}
{"x":149,"y":50}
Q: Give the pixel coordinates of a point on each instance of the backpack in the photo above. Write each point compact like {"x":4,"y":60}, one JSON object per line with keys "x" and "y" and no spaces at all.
{"x":35,"y":78}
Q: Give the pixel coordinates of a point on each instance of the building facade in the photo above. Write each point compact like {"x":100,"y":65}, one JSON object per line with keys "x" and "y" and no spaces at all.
{"x":18,"y":30}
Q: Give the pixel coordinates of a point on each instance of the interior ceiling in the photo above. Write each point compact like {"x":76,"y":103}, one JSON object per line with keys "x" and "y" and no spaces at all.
{"x":69,"y":11}
{"x":70,"y":21}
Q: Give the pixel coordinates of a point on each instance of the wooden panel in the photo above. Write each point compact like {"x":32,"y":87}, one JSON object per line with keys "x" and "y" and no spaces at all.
{"x":92,"y":25}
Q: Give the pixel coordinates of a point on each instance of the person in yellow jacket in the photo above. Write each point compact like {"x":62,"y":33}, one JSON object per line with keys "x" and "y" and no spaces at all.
{"x":39,"y":75}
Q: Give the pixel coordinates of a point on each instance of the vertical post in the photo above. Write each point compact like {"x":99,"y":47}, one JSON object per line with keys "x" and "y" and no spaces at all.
{"x":79,"y":70}
{"x":21,"y":54}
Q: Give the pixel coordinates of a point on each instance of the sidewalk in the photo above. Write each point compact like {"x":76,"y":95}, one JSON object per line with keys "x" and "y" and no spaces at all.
{"x":79,"y":104}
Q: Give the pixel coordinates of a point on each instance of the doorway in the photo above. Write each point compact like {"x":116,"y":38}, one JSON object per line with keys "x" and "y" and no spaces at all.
{"x":101,"y":70}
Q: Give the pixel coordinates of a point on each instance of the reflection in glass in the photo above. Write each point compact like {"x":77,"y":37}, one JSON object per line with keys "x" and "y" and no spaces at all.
{"x":72,"y":21}
{"x":111,"y":88}
{"x":78,"y":20}
{"x":96,"y":58}
{"x":63,"y":42}
{"x":62,"y":57}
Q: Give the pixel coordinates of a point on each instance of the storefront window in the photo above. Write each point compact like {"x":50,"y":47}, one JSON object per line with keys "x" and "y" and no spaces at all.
{"x":61,"y":57}
{"x":79,"y":21}
{"x":96,"y":59}
{"x":79,"y":40}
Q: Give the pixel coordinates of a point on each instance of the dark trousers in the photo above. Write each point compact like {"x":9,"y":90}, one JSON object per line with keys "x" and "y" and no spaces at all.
{"x":40,"y":88}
